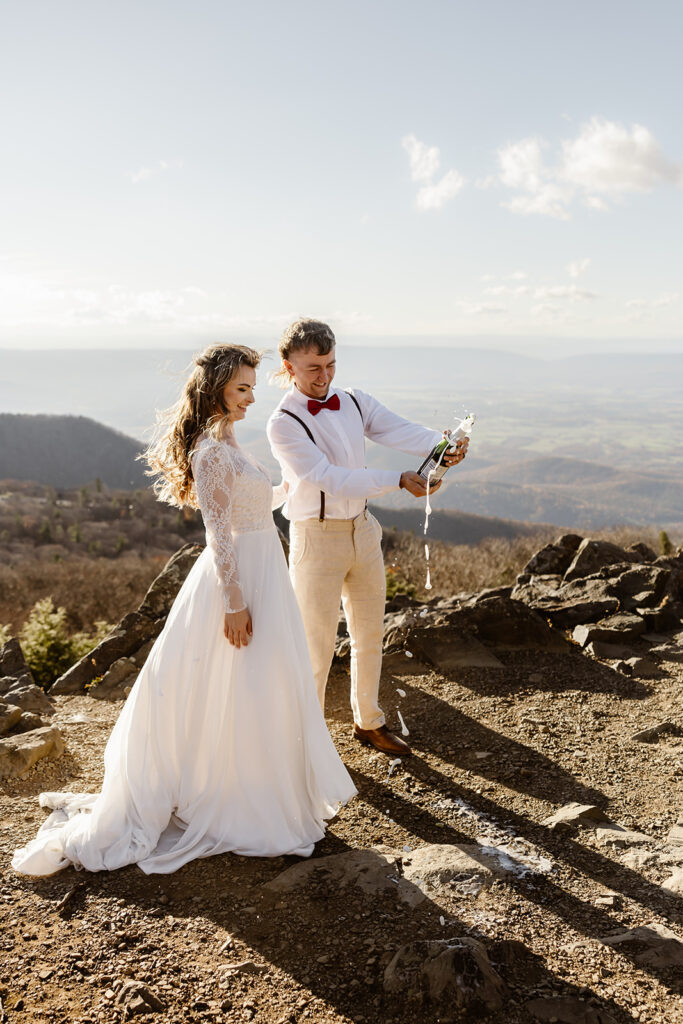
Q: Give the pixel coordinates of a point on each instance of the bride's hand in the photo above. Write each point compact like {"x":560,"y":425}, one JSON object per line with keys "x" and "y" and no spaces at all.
{"x":237,"y":627}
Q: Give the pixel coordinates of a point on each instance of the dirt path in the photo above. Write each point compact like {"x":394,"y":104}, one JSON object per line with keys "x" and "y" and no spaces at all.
{"x":496,"y":752}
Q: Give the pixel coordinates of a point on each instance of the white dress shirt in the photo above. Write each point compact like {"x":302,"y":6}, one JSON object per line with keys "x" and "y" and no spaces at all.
{"x":335,"y":464}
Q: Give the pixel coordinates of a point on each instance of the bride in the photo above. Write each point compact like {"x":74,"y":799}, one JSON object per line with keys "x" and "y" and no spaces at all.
{"x":221,"y":744}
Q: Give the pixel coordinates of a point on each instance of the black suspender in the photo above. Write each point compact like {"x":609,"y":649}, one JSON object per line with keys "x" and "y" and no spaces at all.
{"x":355,"y":402}
{"x":299,"y":420}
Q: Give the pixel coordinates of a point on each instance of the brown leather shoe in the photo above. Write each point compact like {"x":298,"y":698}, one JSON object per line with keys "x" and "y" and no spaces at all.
{"x":382,"y":739}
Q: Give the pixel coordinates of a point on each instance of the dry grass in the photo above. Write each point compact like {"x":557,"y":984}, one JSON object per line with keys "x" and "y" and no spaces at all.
{"x":90,"y":589}
{"x":494,"y":562}
{"x":93,"y":589}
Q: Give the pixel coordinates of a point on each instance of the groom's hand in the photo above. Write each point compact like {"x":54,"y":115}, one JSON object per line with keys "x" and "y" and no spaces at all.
{"x":453,"y":458}
{"x":414,"y":483}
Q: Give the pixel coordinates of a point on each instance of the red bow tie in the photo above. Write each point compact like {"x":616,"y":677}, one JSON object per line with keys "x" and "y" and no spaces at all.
{"x":314,"y":406}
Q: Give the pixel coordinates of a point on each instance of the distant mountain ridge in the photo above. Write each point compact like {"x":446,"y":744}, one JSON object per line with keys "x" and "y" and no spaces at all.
{"x":569,"y":492}
{"x":454,"y":526}
{"x":72,"y":451}
{"x":495,"y":499}
{"x":67,"y":451}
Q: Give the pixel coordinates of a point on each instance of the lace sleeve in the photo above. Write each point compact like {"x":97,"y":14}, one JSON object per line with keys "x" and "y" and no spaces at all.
{"x":215,"y":480}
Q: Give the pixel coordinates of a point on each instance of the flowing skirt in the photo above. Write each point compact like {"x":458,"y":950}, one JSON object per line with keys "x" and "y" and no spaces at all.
{"x":216,"y":748}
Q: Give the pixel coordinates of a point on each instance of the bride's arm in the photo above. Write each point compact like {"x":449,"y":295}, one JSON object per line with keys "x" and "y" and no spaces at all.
{"x":215,"y":480}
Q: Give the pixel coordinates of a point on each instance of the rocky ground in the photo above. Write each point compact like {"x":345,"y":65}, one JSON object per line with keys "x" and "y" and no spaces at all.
{"x":526,"y":864}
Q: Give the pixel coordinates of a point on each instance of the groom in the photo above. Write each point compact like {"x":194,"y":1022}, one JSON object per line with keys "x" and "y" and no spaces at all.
{"x":317,"y":434}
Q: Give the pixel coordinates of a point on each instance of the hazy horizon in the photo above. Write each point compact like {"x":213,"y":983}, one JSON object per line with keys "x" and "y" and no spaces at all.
{"x":550,"y":348}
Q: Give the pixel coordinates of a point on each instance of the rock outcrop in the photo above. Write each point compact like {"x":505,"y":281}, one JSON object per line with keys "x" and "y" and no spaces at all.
{"x":135,"y":630}
{"x":26,"y":734}
{"x":600,"y":582}
{"x":609,"y":596}
{"x":18,"y":753}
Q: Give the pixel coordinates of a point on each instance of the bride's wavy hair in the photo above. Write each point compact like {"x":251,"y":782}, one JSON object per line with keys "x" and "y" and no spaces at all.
{"x":199,"y":410}
{"x":298,"y":337}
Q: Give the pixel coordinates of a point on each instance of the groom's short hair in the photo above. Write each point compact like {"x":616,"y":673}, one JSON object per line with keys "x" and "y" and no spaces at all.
{"x":304,"y":334}
{"x":299,"y":337}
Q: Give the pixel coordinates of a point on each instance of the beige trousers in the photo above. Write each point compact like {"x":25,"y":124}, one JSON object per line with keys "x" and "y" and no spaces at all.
{"x":342,"y":559}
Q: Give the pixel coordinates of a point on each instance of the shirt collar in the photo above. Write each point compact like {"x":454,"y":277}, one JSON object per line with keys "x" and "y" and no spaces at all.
{"x":302,"y":400}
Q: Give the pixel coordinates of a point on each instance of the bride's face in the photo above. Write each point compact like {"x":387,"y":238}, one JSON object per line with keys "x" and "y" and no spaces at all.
{"x":238,"y":393}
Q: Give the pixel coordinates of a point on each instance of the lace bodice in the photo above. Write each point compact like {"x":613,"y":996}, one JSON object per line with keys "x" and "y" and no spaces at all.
{"x":235,"y":496}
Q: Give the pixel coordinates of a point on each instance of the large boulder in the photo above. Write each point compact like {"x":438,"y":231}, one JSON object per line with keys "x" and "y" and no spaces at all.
{"x":24,"y":693}
{"x":643,"y":551}
{"x":437,"y":646}
{"x":652,"y":591}
{"x":12,"y":661}
{"x":162,"y":593}
{"x":372,"y":871}
{"x":455,"y":973}
{"x":575,"y":815}
{"x":18,"y":753}
{"x":554,"y":559}
{"x":571,"y":604}
{"x":9,"y":716}
{"x":593,"y":555}
{"x":503,"y":623}
{"x":131,"y":632}
{"x":448,"y":867}
{"x":465,"y":632}
{"x":136,"y":629}
{"x":651,"y":945}
{"x":644,"y":586}
{"x":116,"y":680}
{"x":614,"y":629}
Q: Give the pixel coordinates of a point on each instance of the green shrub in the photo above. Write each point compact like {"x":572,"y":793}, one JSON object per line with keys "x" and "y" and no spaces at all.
{"x":83,"y":642}
{"x":665,"y":545}
{"x":5,"y":634}
{"x":47,"y":645}
{"x":75,"y":533}
{"x":398,"y":584}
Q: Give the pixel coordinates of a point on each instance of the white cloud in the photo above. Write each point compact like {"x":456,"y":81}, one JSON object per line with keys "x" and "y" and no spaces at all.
{"x":519,"y":275}
{"x":521,"y":165}
{"x":506,"y":289}
{"x":550,"y":200}
{"x":666,"y":299}
{"x":145,"y":173}
{"x":578,"y":267}
{"x":595,"y":203}
{"x":480,"y":308}
{"x":425,"y":162}
{"x":564,"y":291}
{"x":604,"y":161}
{"x":545,"y":309}
{"x":608,"y":158}
{"x":433,"y":197}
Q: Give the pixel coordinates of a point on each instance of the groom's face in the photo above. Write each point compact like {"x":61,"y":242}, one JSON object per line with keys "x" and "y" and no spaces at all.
{"x":312,"y":372}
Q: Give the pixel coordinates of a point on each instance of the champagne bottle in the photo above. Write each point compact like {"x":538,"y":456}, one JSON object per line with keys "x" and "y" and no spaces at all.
{"x":432,"y":468}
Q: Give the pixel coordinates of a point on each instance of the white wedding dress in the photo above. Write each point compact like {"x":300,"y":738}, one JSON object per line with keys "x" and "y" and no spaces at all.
{"x":216,"y":748}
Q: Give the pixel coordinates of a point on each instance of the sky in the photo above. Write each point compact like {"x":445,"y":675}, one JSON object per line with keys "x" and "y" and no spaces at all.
{"x":174,"y":172}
